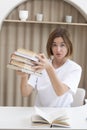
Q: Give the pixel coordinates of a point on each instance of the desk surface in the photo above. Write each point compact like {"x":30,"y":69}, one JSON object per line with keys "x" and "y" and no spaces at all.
{"x":20,"y":117}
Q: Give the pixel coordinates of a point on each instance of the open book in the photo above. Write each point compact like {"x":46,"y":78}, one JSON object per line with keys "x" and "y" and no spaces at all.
{"x":58,"y":118}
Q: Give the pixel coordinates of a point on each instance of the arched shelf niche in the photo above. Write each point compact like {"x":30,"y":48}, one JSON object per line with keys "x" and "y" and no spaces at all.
{"x":33,"y":35}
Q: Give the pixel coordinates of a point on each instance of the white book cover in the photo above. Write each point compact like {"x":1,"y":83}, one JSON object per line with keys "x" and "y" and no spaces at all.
{"x":26,"y":56}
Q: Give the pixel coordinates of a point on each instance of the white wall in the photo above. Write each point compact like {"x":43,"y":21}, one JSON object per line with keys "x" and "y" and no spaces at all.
{"x":7,"y":5}
{"x":81,"y":5}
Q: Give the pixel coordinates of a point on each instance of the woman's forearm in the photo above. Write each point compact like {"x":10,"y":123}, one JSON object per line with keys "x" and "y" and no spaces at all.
{"x":25,"y":88}
{"x":58,"y":86}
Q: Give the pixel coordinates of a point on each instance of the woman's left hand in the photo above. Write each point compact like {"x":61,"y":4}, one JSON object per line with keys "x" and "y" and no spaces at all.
{"x":43,"y":62}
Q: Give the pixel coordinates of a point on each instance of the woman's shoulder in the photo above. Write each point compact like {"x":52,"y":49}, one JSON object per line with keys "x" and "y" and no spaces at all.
{"x":73,"y":64}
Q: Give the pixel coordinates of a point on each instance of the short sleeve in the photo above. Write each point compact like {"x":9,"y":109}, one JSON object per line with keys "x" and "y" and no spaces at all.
{"x":32,"y":80}
{"x":72,"y":79}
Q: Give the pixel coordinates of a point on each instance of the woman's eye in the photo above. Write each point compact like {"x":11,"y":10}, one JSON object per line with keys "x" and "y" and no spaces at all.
{"x":54,"y":45}
{"x":62,"y":45}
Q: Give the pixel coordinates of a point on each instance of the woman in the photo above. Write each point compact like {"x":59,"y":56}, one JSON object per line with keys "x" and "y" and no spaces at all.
{"x":60,"y":75}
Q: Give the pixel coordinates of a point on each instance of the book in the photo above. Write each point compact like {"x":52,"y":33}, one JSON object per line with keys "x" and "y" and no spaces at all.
{"x":58,"y":118}
{"x":28,"y":71}
{"x":23,"y":60}
{"x":26,"y":54}
{"x":21,"y":65}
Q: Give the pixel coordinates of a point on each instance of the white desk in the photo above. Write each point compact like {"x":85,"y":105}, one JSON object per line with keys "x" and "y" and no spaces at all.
{"x":15,"y":118}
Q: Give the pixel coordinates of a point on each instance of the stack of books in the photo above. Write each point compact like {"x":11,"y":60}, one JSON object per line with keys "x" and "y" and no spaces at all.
{"x":23,"y":60}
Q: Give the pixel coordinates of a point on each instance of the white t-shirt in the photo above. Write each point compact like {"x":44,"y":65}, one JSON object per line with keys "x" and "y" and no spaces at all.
{"x":69,"y":73}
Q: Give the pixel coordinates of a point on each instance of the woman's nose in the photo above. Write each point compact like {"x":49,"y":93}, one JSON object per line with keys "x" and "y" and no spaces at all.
{"x":58,"y":48}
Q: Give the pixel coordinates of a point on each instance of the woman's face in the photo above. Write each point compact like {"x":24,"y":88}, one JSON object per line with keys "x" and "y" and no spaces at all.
{"x":59,"y":48}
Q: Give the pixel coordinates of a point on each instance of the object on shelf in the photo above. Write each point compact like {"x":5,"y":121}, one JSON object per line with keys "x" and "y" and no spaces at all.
{"x":23,"y":15}
{"x":68,"y":19}
{"x":39,"y":16}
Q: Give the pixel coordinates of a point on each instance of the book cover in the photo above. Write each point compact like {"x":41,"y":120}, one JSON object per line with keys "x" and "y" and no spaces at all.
{"x":21,"y":59}
{"x":59,"y":118}
{"x":13,"y":67}
{"x":21,"y":64}
{"x":26,"y":54}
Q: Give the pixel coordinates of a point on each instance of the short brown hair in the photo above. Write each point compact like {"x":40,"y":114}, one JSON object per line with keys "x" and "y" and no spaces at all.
{"x":59,"y":32}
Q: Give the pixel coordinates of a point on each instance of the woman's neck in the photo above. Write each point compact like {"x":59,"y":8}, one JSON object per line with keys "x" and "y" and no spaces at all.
{"x":57,"y":64}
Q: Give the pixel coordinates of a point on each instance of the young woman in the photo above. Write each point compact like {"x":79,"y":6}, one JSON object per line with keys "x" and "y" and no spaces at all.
{"x":60,"y":75}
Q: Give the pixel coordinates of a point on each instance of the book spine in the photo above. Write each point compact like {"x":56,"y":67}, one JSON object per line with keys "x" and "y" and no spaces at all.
{"x":50,"y":125}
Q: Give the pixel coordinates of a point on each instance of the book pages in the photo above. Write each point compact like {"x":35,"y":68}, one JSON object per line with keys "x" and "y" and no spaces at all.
{"x":56,"y":118}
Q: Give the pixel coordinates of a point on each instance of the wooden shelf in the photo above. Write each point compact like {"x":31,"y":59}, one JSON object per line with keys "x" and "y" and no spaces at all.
{"x":46,"y":22}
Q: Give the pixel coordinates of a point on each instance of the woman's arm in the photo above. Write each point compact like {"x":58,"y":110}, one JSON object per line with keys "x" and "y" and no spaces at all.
{"x":58,"y":86}
{"x":26,"y":89}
